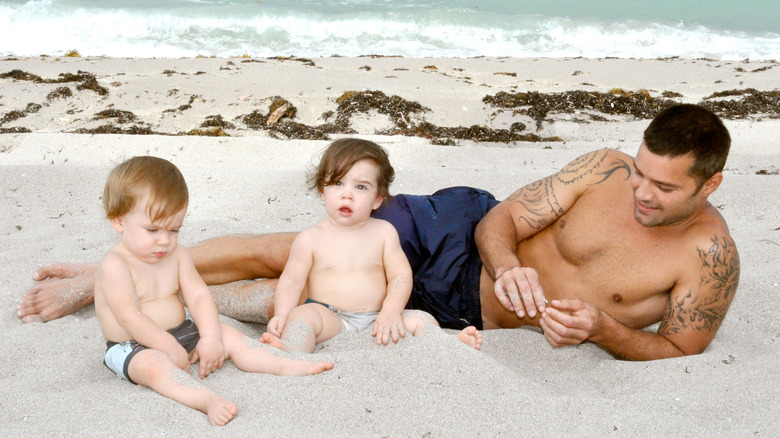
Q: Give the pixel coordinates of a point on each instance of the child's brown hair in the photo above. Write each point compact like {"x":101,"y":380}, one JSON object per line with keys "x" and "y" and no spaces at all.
{"x":342,"y":154}
{"x":127,"y":183}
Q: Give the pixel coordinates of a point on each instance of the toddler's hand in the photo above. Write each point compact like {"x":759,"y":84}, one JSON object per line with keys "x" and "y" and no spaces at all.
{"x":276,"y":325}
{"x":389,"y":325}
{"x":211,"y":354}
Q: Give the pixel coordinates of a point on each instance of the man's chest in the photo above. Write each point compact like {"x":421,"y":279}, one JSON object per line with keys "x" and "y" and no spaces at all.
{"x":607,"y":251}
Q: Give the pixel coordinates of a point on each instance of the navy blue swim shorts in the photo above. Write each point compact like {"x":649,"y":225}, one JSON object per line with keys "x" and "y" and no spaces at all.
{"x":437,"y":235}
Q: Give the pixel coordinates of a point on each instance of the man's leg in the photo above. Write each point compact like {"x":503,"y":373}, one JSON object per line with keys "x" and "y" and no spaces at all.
{"x":57,"y":290}
{"x":61,"y":289}
{"x":232,"y":258}
{"x":246,"y":300}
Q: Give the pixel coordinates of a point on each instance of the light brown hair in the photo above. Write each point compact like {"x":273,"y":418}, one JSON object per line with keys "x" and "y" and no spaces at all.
{"x":130,"y":180}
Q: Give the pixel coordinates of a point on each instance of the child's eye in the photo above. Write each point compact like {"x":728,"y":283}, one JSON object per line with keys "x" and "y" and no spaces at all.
{"x":152,"y":230}
{"x":361,"y":187}
{"x":337,"y":183}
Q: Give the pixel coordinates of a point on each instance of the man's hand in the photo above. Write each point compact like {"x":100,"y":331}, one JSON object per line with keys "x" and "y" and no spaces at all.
{"x":519,"y":291}
{"x":211,"y":354}
{"x":569,"y":322}
{"x":276,"y":325}
{"x":389,"y":325}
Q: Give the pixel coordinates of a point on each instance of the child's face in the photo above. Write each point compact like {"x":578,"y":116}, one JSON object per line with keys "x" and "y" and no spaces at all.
{"x":351,"y":200}
{"x":148,"y":241}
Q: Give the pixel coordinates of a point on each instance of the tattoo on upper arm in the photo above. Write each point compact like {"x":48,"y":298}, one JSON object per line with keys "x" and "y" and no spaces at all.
{"x":539,"y":201}
{"x":720,"y":276}
{"x":593,"y":162}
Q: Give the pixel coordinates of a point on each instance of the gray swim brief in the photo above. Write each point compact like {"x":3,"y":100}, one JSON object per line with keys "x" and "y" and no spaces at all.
{"x":118,"y":356}
{"x":353,"y":321}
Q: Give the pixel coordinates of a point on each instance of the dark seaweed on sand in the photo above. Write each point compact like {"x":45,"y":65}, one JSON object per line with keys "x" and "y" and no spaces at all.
{"x":617,"y":102}
{"x":59,"y":93}
{"x":14,"y":130}
{"x":211,"y":131}
{"x":305,"y":61}
{"x":10,"y":116}
{"x":443,"y":135}
{"x":396,"y":108}
{"x":86,"y":81}
{"x":217,"y":121}
{"x":279,"y":124}
{"x":121,"y":116}
{"x":400,"y":112}
{"x":749,"y":102}
{"x":111,"y":129}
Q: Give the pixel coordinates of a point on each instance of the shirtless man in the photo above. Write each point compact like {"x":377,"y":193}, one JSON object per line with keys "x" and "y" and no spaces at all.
{"x":614,"y":243}
{"x":618,"y":243}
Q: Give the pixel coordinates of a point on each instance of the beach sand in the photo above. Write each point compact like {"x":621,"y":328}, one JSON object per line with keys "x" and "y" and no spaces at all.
{"x":52,"y":170}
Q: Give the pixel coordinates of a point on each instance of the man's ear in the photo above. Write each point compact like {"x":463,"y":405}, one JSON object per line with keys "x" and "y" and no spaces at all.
{"x":116,"y":222}
{"x":712,"y":184}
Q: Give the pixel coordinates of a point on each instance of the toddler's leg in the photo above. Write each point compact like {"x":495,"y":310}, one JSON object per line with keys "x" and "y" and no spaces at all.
{"x":307,"y":325}
{"x":155,"y":369}
{"x":258,"y":360}
{"x":416,"y":320}
{"x":471,"y":337}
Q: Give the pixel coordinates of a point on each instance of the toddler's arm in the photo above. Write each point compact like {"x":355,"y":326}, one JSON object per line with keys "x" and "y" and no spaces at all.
{"x":115,"y":280}
{"x":291,"y":282}
{"x":197,"y":295}
{"x":389,"y":323}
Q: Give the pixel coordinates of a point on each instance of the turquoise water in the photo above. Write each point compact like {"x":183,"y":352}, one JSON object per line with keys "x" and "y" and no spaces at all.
{"x":717,"y":29}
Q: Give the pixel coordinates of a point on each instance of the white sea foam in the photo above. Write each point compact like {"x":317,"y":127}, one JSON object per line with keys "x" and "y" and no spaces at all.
{"x":54,"y":27}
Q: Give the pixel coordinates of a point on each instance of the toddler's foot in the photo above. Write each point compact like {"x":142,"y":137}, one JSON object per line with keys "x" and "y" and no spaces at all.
{"x":471,"y":337}
{"x":220,"y":411}
{"x":304,"y":368}
{"x":273,"y":341}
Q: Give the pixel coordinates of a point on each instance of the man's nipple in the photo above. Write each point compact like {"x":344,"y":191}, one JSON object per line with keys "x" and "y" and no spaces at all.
{"x":617,"y":298}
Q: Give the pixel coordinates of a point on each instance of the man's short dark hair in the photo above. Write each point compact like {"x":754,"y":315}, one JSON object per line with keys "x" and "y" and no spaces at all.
{"x":690,"y":129}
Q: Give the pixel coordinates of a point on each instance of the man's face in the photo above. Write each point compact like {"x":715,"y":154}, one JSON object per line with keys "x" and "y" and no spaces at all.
{"x":664,"y":192}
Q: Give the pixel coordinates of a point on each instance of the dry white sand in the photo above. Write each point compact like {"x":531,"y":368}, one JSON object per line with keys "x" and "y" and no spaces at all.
{"x":53,"y":382}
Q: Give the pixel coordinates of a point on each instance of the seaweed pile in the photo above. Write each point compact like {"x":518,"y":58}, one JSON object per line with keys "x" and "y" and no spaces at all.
{"x":84,"y":80}
{"x":751,"y":103}
{"x":407,"y":117}
{"x":617,"y":102}
{"x":639,"y":104}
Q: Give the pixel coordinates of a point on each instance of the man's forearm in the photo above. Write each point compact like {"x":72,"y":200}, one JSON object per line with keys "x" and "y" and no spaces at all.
{"x":496,"y":242}
{"x":627,"y":343}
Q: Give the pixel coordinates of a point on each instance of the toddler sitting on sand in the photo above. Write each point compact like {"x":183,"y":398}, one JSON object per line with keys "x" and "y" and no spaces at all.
{"x":150,"y":339}
{"x":352,"y":265}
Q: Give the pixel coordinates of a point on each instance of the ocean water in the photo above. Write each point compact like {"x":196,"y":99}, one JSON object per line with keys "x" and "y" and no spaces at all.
{"x":717,"y":29}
